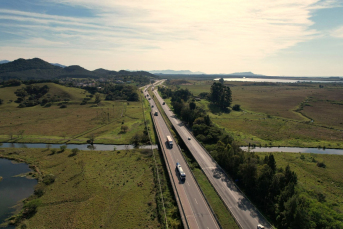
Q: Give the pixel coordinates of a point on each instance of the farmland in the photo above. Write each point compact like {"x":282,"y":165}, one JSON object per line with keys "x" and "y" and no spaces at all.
{"x":105,"y":189}
{"x":74,"y":124}
{"x":303,"y":115}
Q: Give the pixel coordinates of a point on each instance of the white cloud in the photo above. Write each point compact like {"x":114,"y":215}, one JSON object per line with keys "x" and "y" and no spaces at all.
{"x":205,"y":35}
{"x":338,"y":32}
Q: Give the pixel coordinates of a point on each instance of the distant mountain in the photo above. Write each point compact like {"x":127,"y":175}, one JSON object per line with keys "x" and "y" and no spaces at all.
{"x":39,"y":69}
{"x":59,"y":65}
{"x":173,"y":72}
{"x":4,"y":61}
{"x":244,"y":74}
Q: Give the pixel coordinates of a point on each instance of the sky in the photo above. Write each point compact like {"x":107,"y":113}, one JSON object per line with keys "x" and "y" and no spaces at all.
{"x":270,"y":37}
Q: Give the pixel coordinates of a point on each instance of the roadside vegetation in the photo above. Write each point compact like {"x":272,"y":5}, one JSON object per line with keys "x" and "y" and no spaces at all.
{"x":93,"y":189}
{"x":223,"y":215}
{"x":66,"y":114}
{"x":273,"y":189}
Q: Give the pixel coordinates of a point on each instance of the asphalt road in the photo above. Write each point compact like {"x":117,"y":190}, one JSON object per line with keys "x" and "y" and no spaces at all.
{"x":245,"y":213}
{"x":194,"y":205}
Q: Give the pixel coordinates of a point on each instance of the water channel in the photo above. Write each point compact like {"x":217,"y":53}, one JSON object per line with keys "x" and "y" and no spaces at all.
{"x":294,"y":150}
{"x":13,"y":189}
{"x":279,"y":80}
{"x":99,"y":147}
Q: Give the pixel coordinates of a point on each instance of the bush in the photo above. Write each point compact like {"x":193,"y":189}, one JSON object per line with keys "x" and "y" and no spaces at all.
{"x":321,"y":165}
{"x":63,"y":106}
{"x":30,"y":208}
{"x":63,"y":147}
{"x":236,"y":107}
{"x":74,"y":152}
{"x":49,"y":179}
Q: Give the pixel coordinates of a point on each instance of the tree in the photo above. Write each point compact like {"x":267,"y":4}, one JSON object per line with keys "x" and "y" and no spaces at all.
{"x":97,"y":98}
{"x":1,"y":101}
{"x":192,"y":105}
{"x":124,"y":128}
{"x":91,"y":139}
{"x":63,"y":148}
{"x":220,"y":95}
{"x":135,"y":140}
{"x":74,"y":152}
{"x":48,"y":146}
{"x":221,"y":80}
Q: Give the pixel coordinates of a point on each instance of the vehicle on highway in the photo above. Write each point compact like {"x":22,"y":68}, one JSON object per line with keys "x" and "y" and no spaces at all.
{"x":163,"y":103}
{"x":152,"y":105}
{"x":149,"y":98}
{"x":260,"y":226}
{"x":156,"y":113}
{"x":170,"y":141}
{"x":182,"y":174}
{"x":189,"y":138}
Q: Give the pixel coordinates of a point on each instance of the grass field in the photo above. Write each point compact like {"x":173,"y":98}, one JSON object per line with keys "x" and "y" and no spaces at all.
{"x":75,"y":124}
{"x":100,"y":189}
{"x":314,"y":180}
{"x":281,"y":114}
{"x":94,"y":189}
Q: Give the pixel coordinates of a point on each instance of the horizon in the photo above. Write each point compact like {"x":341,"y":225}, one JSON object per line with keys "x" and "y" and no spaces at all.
{"x":242,"y":74}
{"x":278,"y":38}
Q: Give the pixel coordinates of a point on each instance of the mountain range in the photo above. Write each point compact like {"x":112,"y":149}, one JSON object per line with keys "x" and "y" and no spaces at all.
{"x":174,"y":72}
{"x":39,"y":69}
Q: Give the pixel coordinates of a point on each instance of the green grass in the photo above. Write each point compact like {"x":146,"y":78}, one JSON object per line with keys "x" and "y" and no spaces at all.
{"x":280,"y":114}
{"x":314,"y":180}
{"x":224,"y":216}
{"x":93,"y":189}
{"x":74,"y":124}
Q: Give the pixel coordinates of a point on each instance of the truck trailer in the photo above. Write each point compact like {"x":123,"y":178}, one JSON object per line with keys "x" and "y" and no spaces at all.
{"x":182,"y":174}
{"x":170,"y":141}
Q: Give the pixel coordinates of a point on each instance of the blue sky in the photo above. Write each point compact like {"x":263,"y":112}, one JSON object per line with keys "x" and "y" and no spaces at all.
{"x":271,"y":37}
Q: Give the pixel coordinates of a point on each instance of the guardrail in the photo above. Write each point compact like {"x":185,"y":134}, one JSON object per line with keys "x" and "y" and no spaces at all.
{"x":208,"y":204}
{"x":229,"y":177}
{"x":177,"y":197}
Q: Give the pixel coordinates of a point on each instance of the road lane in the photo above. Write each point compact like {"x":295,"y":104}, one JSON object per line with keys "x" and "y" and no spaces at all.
{"x":245,"y":213}
{"x":197,"y":211}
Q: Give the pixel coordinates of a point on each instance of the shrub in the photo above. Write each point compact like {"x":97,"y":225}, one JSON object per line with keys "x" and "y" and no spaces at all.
{"x":321,"y":164}
{"x":49,"y":179}
{"x":63,"y":147}
{"x":30,"y":208}
{"x":63,"y":106}
{"x":236,"y":107}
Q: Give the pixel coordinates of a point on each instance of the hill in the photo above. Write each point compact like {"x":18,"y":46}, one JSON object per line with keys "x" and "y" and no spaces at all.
{"x":4,"y":61}
{"x":39,"y":69}
{"x":173,"y":72}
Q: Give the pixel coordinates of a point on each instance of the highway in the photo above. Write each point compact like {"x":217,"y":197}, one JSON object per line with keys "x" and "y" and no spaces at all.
{"x":245,"y":213}
{"x":194,"y":209}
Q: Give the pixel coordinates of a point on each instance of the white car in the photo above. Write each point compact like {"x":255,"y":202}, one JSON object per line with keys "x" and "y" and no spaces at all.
{"x":189,"y":138}
{"x":260,"y":226}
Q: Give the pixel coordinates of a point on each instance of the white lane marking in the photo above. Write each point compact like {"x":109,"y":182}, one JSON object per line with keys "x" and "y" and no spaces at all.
{"x":195,"y":200}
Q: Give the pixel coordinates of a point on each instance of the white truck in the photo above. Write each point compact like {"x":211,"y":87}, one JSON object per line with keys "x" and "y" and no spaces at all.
{"x":170,"y":141}
{"x":182,"y":174}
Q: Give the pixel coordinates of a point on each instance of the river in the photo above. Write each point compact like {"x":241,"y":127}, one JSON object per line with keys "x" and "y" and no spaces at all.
{"x":13,"y":189}
{"x":294,"y":150}
{"x":99,"y":147}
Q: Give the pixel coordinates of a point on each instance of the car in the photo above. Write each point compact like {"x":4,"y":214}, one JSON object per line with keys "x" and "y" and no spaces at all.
{"x":152,"y":106}
{"x":260,"y":226}
{"x":189,"y":138}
